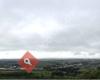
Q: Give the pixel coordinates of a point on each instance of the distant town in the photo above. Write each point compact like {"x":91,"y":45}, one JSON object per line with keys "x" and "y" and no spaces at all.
{"x":53,"y":69}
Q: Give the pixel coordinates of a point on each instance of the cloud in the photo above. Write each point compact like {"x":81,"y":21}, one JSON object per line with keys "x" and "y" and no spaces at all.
{"x":50,"y":25}
{"x":47,"y":55}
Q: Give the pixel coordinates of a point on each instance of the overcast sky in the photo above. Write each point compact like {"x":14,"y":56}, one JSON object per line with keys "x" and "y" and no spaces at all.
{"x":50,"y":27}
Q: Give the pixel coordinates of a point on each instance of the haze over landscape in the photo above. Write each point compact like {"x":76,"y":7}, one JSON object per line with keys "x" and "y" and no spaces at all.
{"x":50,"y":28}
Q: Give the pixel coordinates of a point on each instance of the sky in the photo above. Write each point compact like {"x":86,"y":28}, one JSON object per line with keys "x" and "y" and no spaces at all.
{"x":50,"y":28}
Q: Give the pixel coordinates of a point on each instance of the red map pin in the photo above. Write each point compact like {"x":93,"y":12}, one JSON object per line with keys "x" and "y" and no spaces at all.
{"x":28,"y":62}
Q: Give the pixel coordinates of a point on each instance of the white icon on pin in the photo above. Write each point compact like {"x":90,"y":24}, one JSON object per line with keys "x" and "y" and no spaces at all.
{"x":27,"y":61}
